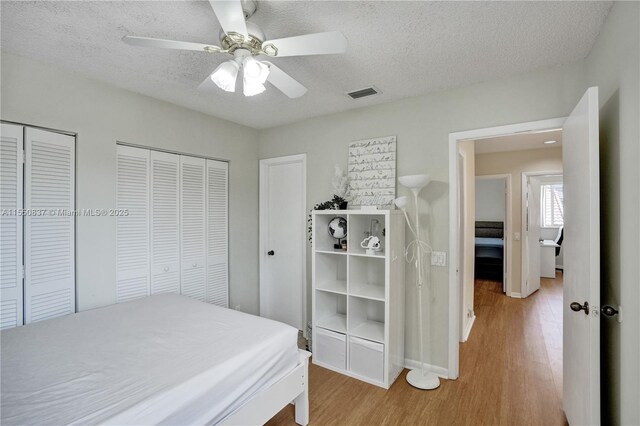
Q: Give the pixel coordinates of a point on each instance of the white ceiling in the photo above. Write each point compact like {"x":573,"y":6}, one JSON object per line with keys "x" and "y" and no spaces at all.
{"x":403,"y":48}
{"x":519,"y":142}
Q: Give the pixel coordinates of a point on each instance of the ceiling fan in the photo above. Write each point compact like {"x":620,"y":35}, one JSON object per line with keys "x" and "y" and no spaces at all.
{"x":245,"y":41}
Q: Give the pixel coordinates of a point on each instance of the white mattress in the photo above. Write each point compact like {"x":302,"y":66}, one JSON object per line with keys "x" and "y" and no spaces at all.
{"x":164,"y":359}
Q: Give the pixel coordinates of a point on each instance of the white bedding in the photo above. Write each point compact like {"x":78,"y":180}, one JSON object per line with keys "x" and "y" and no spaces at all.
{"x":164,"y":359}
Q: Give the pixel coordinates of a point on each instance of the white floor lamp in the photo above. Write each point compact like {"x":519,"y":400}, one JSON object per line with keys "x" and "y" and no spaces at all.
{"x":416,"y":252}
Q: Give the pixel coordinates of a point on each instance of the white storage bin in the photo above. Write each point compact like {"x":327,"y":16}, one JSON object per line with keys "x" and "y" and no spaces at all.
{"x":366,"y":358}
{"x":330,"y":348}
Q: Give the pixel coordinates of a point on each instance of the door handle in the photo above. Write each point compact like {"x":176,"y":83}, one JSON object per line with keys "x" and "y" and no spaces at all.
{"x":271,"y":252}
{"x":576,"y":307}
{"x":609,"y":311}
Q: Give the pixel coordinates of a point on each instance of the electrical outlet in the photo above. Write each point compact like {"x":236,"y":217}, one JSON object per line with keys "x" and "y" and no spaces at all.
{"x":439,"y":258}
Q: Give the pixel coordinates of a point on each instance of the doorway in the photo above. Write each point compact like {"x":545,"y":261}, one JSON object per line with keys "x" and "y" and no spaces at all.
{"x":283,"y":269}
{"x":580,"y":304}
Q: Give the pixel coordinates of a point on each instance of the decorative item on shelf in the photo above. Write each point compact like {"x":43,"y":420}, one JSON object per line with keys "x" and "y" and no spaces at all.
{"x":338,"y":230}
{"x":344,"y":245}
{"x":372,"y":173}
{"x":341,"y":186}
{"x":416,"y":253}
{"x":336,"y":203}
{"x":372,"y":245}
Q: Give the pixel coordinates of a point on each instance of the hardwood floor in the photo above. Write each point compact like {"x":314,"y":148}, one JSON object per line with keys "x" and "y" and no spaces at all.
{"x":510,"y":373}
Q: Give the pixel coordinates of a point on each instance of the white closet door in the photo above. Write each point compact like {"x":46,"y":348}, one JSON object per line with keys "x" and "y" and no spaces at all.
{"x":165,"y":241}
{"x":50,"y":229}
{"x":192,"y":227}
{"x":217,"y":233}
{"x":11,"y":161}
{"x":132,"y":230}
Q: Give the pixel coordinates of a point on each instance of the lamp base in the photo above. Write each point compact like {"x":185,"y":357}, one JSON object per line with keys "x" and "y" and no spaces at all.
{"x":426,"y":381}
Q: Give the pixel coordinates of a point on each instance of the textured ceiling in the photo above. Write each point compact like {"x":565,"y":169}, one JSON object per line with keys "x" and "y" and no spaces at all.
{"x":403,"y":48}
{"x":519,"y":142}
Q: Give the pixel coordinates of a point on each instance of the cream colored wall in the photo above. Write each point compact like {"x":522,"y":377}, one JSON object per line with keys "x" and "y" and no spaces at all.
{"x":422,"y":125}
{"x":40,"y":94}
{"x":614,"y":66}
{"x":515,"y":163}
{"x":467,"y":149}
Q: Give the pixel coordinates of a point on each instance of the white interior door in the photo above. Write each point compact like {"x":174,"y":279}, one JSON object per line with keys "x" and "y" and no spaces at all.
{"x":461,"y":243}
{"x":283,"y":239}
{"x":218,"y":233}
{"x":11,"y":164}
{"x":165,"y":219}
{"x":532,"y":235}
{"x":581,"y":333}
{"x":192,"y":227}
{"x":132,"y":230}
{"x":49,"y":286}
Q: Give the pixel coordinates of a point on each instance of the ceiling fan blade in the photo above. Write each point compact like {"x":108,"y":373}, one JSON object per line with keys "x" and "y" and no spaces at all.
{"x":284,"y":82}
{"x":169,"y":44}
{"x":230,"y":15}
{"x":310,"y":44}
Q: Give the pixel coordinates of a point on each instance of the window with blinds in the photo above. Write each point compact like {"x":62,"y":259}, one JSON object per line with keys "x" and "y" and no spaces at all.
{"x":175,"y":237}
{"x":552,"y":205}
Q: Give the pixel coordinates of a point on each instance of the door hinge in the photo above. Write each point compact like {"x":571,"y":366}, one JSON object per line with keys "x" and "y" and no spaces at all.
{"x":24,"y":272}
{"x":24,"y":156}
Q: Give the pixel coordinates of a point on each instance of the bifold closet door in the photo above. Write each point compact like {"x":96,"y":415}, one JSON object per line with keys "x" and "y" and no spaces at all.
{"x":217,"y":233}
{"x":192,"y":227}
{"x":11,"y":157}
{"x":49,"y":186}
{"x":165,"y":220}
{"x":132,"y":230}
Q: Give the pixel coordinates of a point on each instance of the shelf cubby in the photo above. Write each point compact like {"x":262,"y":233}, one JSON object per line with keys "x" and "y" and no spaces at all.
{"x":367,"y":277}
{"x":331,"y":311}
{"x":331,"y":272}
{"x":366,"y":318}
{"x":323,"y":241}
{"x":363,"y":225}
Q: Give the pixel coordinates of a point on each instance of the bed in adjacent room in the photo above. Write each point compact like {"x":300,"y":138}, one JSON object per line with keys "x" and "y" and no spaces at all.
{"x":489,"y":250}
{"x":161,"y":359}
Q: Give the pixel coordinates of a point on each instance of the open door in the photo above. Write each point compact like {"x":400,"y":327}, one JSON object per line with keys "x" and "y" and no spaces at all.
{"x":532,"y":235}
{"x":581,"y":316}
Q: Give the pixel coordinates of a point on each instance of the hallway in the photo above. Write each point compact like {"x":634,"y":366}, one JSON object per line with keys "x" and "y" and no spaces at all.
{"x":510,"y":373}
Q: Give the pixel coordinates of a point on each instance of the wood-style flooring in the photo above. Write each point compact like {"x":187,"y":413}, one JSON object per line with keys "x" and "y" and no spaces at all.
{"x":510,"y":373}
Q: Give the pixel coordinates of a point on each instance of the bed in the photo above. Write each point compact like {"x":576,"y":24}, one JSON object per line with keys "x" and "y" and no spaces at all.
{"x":489,"y":250}
{"x":163,"y":359}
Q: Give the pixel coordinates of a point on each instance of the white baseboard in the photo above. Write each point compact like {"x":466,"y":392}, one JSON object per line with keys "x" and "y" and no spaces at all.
{"x":467,"y":329}
{"x":561,"y":267}
{"x":515,"y":295}
{"x":441,"y":372}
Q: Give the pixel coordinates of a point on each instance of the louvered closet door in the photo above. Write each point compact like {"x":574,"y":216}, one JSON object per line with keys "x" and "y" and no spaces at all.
{"x":165,"y":241}
{"x":217,"y":233}
{"x":192,"y":227}
{"x":49,"y":238}
{"x":132,"y":230}
{"x":11,"y":155}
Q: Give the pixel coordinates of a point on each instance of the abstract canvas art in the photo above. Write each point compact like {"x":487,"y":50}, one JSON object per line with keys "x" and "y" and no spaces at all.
{"x":372,"y":172}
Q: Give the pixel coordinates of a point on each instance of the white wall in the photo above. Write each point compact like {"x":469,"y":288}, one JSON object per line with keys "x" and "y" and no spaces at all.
{"x":490,"y":200}
{"x":422,"y":125}
{"x":614,"y":66}
{"x":39,"y":94}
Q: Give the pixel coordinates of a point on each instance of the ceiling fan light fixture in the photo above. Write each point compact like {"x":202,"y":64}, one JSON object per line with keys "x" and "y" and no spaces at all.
{"x":252,"y":88}
{"x":225,"y":76}
{"x":255,"y":71}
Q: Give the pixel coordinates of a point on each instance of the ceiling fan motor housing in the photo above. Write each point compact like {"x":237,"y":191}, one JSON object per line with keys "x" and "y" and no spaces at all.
{"x":232,"y":41}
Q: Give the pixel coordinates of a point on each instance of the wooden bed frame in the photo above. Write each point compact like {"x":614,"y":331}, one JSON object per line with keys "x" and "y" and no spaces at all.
{"x":292,"y":388}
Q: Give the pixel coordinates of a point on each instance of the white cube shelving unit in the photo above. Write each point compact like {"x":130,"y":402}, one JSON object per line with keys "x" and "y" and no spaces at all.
{"x":358,"y":299}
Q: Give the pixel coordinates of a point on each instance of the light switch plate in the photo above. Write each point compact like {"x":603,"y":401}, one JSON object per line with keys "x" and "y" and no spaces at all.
{"x":439,"y":258}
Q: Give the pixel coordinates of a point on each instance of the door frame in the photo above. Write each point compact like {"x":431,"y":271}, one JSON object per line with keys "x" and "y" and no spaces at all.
{"x":525,"y":249}
{"x":506,"y":267}
{"x":454,"y":290}
{"x":263,"y":220}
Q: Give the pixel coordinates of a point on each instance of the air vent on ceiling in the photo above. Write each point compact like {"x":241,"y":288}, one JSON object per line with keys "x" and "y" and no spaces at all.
{"x":369,"y":91}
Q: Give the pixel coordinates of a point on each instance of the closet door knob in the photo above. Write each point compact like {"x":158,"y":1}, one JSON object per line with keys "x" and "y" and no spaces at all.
{"x":271,"y":252}
{"x":166,"y":269}
{"x":195,"y":265}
